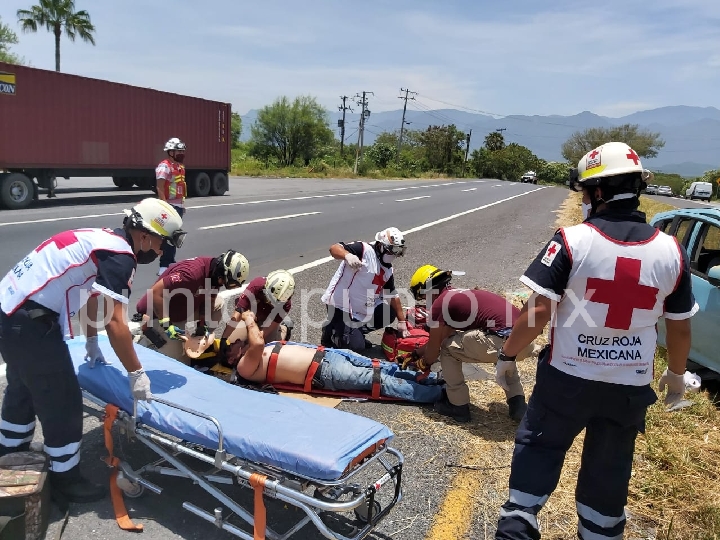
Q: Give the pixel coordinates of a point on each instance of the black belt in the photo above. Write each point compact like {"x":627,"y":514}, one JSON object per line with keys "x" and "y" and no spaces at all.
{"x":35,"y":310}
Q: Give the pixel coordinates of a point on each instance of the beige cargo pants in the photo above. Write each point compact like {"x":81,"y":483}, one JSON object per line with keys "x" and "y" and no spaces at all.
{"x":473,"y":346}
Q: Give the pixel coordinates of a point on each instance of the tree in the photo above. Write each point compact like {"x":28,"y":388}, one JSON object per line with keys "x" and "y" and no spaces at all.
{"x":56,"y":16}
{"x":382,"y":153}
{"x":494,"y":141}
{"x":553,"y":172}
{"x":235,"y":129}
{"x":509,"y":163}
{"x":443,"y":147}
{"x":289,"y":131}
{"x":645,"y":143}
{"x":7,"y":38}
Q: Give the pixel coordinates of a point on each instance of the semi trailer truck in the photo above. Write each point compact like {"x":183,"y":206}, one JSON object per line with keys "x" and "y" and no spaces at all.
{"x":56,"y":125}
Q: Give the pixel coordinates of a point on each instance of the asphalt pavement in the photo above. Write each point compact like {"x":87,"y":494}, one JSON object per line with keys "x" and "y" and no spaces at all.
{"x":489,"y":229}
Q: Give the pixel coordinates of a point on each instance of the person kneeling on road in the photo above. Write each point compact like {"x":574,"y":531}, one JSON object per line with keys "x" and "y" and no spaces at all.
{"x":185,"y":294}
{"x":63,"y":276}
{"x":270,"y":299}
{"x":357,"y":293}
{"x":333,"y":370}
{"x":466,"y":326}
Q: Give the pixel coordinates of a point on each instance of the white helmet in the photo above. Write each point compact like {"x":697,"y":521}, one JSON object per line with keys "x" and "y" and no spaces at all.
{"x":235,"y":267}
{"x":175,"y":144}
{"x":609,"y":159}
{"x":157,"y":217}
{"x":392,"y":241}
{"x":280,"y":285}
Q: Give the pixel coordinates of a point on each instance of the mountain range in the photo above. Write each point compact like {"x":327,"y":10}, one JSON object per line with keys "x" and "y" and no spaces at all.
{"x":691,"y":134}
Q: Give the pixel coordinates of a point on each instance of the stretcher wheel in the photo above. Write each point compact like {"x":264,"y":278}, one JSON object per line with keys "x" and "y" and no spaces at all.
{"x":129,"y":488}
{"x":361,"y":511}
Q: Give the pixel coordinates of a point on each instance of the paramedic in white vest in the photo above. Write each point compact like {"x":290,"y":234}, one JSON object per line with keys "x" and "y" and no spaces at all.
{"x":362,"y":291}
{"x":603,"y":284}
{"x":171,"y":188}
{"x":38,"y":298}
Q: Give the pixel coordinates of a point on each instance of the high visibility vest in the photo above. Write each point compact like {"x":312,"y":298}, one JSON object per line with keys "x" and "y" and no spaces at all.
{"x":604,"y":326}
{"x":358,"y":292}
{"x":59,"y":273}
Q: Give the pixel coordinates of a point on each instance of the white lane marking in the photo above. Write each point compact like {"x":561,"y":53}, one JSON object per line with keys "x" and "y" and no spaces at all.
{"x":261,"y":220}
{"x":318,"y":262}
{"x":214,"y":205}
{"x":46,"y":220}
{"x":471,"y":189}
{"x":413,"y":198}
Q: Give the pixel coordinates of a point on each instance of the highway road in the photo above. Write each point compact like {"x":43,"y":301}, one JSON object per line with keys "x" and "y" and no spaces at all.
{"x":489,"y":229}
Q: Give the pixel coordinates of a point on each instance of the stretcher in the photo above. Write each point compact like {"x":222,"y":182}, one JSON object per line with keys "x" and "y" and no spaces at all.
{"x":311,"y":457}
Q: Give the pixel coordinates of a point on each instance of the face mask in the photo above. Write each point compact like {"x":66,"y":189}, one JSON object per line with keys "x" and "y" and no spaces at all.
{"x":586,"y":210}
{"x":146,"y":256}
{"x":388,"y":258}
{"x":179,"y":158}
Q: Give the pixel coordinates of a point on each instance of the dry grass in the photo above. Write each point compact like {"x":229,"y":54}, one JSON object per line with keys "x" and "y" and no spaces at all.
{"x":675,"y":488}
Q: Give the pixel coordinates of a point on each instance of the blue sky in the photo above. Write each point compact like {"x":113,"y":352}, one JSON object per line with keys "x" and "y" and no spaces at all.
{"x":514,"y":57}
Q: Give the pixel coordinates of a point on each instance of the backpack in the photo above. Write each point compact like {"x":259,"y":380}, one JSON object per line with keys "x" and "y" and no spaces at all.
{"x":394,"y":345}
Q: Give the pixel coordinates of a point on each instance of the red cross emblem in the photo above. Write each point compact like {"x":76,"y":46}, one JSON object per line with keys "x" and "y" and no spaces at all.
{"x":163,"y":216}
{"x":632,"y":155}
{"x":61,"y":240}
{"x":552,"y":249}
{"x":594,"y":154}
{"x":623,"y":294}
{"x":378,"y":281}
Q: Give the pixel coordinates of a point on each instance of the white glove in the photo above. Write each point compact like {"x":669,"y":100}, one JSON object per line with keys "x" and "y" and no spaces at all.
{"x":140,"y":385}
{"x":503,"y":368}
{"x":403,"y":329}
{"x":353,"y":261}
{"x":676,"y":387}
{"x":93,"y":353}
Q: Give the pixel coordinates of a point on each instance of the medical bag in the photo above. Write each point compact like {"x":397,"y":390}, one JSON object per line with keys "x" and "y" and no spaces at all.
{"x":393,"y":344}
{"x":24,"y":496}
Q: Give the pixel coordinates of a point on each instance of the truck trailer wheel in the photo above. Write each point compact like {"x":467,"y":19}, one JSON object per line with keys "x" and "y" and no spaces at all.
{"x":16,"y":191}
{"x":200,"y":185}
{"x":219,"y":184}
{"x":124,"y":184}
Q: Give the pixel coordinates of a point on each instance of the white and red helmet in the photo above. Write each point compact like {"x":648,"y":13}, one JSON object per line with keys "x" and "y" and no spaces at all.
{"x":605,"y":161}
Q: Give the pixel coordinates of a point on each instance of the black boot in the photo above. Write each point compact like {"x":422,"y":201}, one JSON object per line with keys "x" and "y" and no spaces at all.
{"x":5,"y":450}
{"x":517,"y":407}
{"x":459,"y":413}
{"x":73,"y":487}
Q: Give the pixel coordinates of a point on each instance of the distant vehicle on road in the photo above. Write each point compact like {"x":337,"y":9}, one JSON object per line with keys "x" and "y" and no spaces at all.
{"x":57,"y":125}
{"x":529,"y":178}
{"x":699,"y":190}
{"x":652,"y":189}
{"x":665,"y":190}
{"x":698,"y":229}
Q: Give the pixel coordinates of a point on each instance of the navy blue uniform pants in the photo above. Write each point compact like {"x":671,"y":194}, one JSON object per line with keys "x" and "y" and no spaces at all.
{"x":41,"y":382}
{"x":168,"y":252}
{"x":560,"y":407}
{"x":340,"y":331}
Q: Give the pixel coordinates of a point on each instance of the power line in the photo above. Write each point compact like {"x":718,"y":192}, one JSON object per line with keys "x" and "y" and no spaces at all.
{"x":402,"y":124}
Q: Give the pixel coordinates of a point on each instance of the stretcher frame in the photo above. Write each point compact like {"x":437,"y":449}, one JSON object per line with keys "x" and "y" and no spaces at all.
{"x":289,"y":487}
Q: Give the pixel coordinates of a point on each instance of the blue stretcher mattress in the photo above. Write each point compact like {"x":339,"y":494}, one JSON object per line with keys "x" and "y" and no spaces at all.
{"x":296,"y":436}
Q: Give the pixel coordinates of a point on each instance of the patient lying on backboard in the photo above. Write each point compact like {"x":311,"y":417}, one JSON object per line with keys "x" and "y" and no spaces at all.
{"x":332,"y":370}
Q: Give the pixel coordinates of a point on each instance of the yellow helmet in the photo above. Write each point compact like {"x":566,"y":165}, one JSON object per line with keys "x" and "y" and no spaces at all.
{"x":427,"y":278}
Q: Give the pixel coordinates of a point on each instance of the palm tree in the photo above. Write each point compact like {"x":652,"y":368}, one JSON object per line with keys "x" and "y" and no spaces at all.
{"x":56,"y":15}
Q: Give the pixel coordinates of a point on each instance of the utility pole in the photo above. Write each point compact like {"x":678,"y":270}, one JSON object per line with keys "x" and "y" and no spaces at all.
{"x":467,"y":150}
{"x":341,"y":123}
{"x":402,"y":125}
{"x":500,"y":130}
{"x":364,"y":114}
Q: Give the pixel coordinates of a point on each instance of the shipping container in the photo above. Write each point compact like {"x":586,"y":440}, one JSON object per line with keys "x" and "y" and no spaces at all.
{"x":57,"y":125}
